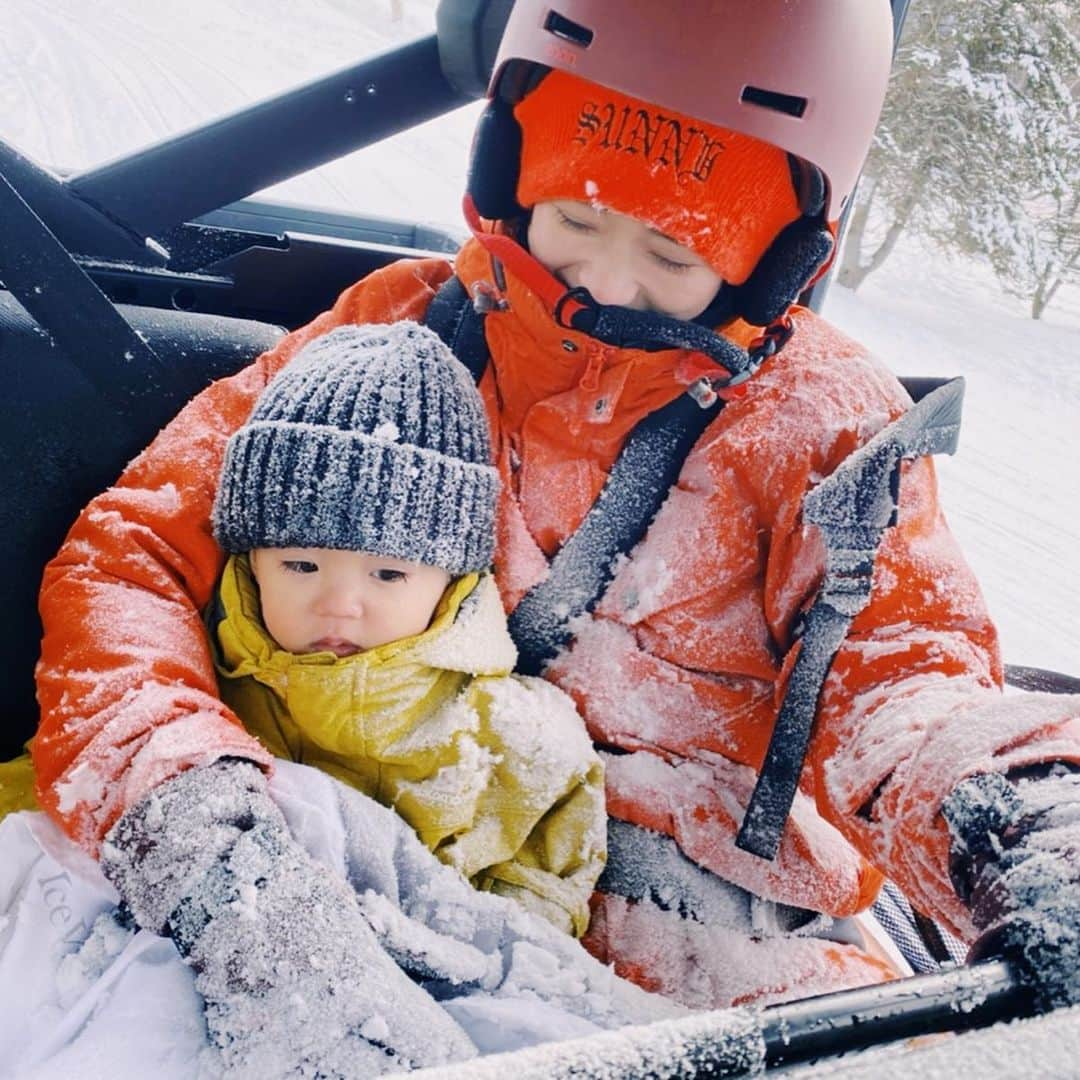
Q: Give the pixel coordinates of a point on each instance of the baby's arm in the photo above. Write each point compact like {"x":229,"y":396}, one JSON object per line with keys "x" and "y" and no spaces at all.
{"x":539,"y":830}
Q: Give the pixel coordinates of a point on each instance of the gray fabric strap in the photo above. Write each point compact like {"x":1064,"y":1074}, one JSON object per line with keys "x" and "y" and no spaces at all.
{"x":852,"y":508}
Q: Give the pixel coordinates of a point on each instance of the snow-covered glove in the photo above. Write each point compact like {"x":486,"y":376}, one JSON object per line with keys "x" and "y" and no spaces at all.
{"x":294,"y":980}
{"x":1015,"y":861}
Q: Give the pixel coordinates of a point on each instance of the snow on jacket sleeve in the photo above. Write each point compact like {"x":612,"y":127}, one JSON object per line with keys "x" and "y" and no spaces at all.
{"x":913,"y":703}
{"x":125,"y":682}
{"x":538,"y":832}
{"x":688,"y":653}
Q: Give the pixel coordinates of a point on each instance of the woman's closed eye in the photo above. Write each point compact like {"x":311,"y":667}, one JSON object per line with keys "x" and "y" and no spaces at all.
{"x":673,"y":266}
{"x":576,"y":224}
{"x":300,"y":566}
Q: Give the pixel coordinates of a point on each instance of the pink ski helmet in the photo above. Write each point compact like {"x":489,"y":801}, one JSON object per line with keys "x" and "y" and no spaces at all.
{"x":808,"y":76}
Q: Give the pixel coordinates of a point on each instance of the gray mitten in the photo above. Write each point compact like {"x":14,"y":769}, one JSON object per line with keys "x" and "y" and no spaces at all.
{"x":295,"y":982}
{"x":1016,"y":863}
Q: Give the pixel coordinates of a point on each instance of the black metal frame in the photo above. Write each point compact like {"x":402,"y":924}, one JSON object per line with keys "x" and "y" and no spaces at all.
{"x":141,"y":225}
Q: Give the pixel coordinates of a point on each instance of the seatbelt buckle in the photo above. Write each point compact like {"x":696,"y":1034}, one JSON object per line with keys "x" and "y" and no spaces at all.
{"x":486,"y":298}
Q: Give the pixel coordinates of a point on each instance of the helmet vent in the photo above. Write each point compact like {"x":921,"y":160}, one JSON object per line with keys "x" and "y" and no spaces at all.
{"x":770,"y":99}
{"x":568,"y":30}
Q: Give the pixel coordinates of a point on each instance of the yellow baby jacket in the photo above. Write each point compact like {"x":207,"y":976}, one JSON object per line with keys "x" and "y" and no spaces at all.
{"x":495,"y":772}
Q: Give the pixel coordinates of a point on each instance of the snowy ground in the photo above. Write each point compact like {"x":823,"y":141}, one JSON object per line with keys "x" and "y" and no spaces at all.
{"x":1012,"y":493}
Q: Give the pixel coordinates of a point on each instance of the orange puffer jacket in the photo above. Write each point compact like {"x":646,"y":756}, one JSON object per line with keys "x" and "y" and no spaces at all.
{"x":683,"y":662}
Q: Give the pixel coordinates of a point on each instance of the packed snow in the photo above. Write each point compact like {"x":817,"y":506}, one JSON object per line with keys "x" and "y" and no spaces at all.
{"x":86,"y":81}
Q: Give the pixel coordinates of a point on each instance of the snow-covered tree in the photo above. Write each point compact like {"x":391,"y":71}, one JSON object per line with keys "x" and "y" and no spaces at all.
{"x":978,"y":145}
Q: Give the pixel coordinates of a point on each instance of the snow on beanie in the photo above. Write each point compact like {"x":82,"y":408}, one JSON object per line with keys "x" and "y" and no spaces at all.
{"x":372,"y":438}
{"x":724,"y":195}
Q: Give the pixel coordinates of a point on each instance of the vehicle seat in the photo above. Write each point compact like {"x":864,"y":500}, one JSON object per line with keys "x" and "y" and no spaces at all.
{"x":62,"y":444}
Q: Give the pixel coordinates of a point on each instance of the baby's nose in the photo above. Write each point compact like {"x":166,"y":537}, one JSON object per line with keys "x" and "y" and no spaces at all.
{"x":343,"y":602}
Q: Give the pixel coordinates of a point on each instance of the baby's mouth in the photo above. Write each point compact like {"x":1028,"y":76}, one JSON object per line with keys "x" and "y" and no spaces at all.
{"x":338,"y":646}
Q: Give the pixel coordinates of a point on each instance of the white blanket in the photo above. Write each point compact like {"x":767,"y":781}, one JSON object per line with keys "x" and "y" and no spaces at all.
{"x":82,"y":996}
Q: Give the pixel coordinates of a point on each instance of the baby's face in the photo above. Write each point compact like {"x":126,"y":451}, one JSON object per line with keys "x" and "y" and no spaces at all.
{"x":620,"y":260}
{"x":344,"y":602}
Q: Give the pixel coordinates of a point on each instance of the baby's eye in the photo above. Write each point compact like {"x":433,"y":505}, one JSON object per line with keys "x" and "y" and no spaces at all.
{"x":300,"y":566}
{"x":575,"y":224}
{"x":386,"y":574}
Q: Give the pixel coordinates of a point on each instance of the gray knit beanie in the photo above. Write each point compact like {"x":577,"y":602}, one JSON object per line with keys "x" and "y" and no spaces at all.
{"x":372,"y":438}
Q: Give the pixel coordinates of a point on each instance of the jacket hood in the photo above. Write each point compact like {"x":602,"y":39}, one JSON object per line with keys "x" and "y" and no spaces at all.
{"x":355,"y":706}
{"x":467,"y":633}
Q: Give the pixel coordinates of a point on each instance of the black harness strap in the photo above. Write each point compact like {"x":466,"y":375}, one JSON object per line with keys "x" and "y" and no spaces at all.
{"x":647,"y":467}
{"x":454,"y":317}
{"x":852,"y":508}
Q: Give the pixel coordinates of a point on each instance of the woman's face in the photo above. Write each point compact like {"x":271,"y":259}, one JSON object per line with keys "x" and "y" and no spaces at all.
{"x":620,"y":260}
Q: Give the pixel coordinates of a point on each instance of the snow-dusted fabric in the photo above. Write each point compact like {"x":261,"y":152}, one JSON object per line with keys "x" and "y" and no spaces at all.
{"x":372,"y":439}
{"x":84,"y":995}
{"x":495,"y":772}
{"x":714,"y":966}
{"x":684,"y":932}
{"x":685,"y":658}
{"x":293,"y":977}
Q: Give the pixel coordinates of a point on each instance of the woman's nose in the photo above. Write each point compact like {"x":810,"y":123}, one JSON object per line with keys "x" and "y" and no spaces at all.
{"x":609,"y":282}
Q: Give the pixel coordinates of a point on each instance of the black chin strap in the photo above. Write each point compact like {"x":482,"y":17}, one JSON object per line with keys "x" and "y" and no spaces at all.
{"x":625,"y":328}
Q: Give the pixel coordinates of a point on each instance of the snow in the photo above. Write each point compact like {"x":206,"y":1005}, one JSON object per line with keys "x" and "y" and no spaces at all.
{"x":136,"y":73}
{"x":1012,"y":492}
{"x":97,"y":998}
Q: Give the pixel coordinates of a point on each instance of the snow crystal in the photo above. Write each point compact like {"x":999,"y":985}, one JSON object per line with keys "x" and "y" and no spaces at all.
{"x":457,"y":784}
{"x":82,"y":784}
{"x":539,"y":724}
{"x":387,"y":431}
{"x":375,"y":1029}
{"x":80,"y":969}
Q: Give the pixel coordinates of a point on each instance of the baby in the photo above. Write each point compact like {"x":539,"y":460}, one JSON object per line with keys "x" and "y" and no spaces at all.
{"x":356,"y":626}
